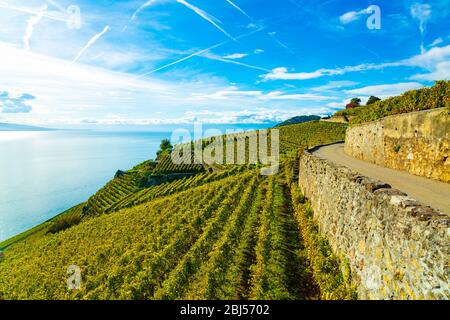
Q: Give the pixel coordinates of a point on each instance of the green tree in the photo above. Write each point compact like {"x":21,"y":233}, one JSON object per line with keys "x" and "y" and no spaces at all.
{"x":355,"y":101}
{"x":164,"y":148}
{"x":372,"y":100}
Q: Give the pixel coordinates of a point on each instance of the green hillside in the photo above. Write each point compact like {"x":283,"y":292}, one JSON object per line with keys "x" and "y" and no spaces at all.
{"x":437,"y":96}
{"x":297,"y":120}
{"x":230,"y":234}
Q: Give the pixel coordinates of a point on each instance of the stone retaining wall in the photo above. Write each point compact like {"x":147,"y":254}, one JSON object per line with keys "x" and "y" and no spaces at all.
{"x":417,"y":142}
{"x":397,"y":248}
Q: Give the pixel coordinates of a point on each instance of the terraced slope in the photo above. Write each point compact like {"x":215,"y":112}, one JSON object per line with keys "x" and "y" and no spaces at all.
{"x":164,"y":189}
{"x":115,"y":190}
{"x":236,"y":238}
{"x":300,"y":136}
{"x":166,"y":165}
{"x":126,"y":184}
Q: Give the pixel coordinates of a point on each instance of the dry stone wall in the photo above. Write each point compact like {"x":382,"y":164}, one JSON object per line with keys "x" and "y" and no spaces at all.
{"x":417,"y":142}
{"x":396,"y":247}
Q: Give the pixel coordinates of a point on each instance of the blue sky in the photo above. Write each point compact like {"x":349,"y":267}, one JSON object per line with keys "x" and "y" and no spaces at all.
{"x":216,"y":61}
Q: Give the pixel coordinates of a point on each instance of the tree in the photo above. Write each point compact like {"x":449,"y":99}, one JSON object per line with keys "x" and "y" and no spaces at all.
{"x":164,"y":148}
{"x":355,"y":102}
{"x":372,"y":100}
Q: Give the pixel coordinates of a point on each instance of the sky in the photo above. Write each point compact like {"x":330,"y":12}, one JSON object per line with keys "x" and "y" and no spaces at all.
{"x":215,"y":61}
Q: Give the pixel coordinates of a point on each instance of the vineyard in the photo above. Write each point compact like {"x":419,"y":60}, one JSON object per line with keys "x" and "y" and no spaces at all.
{"x":166,"y":165}
{"x":114,"y":191}
{"x":230,"y":234}
{"x":437,"y":96}
{"x":309,"y":134}
{"x":178,"y":185}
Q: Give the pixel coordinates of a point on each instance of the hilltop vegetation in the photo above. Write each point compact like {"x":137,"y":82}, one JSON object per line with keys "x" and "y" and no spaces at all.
{"x":297,"y":120}
{"x":297,"y":137}
{"x":437,"y":96}
{"x":230,"y":234}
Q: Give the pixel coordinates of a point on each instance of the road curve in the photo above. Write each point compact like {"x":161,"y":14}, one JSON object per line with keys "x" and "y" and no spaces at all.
{"x":433,"y":193}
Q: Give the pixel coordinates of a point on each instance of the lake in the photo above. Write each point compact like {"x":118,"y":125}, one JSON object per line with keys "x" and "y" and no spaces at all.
{"x":45,"y":173}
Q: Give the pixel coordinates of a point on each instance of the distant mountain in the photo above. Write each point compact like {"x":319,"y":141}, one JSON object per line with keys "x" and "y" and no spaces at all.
{"x":298,"y":119}
{"x":20,"y":127}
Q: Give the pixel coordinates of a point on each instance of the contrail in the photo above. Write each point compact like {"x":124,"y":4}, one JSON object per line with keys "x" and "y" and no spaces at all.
{"x":142,"y":7}
{"x":30,"y":11}
{"x":211,"y":19}
{"x":30,"y":26}
{"x":90,"y":43}
{"x":56,"y":5}
{"x":185,"y":58}
{"x":272,"y":34}
{"x":239,"y":9}
{"x":205,"y":16}
{"x":201,"y":52}
{"x":218,"y":58}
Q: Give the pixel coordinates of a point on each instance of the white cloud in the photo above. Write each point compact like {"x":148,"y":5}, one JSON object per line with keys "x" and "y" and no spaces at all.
{"x":11,"y":103}
{"x":351,"y":16}
{"x":55,"y":82}
{"x":236,"y":56}
{"x":258,"y":51}
{"x":234,"y":92}
{"x":226,"y":93}
{"x":431,"y":60}
{"x":436,"y":42}
{"x":335,"y":85}
{"x":70,"y":93}
{"x":282,"y":73}
{"x":385,"y":90}
{"x":421,"y":12}
{"x":277,"y":95}
{"x":441,"y":72}
{"x":336,"y":105}
{"x":255,"y":116}
{"x":435,"y":61}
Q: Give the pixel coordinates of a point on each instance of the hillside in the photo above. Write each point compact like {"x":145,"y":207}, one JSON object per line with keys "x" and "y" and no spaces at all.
{"x":297,"y":120}
{"x":437,"y":96}
{"x":232,"y":234}
{"x":19,"y":127}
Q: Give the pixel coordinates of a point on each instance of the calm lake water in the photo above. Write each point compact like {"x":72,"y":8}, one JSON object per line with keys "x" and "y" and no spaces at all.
{"x":45,"y":173}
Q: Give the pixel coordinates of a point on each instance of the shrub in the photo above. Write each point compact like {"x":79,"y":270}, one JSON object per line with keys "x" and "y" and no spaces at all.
{"x":64,"y":222}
